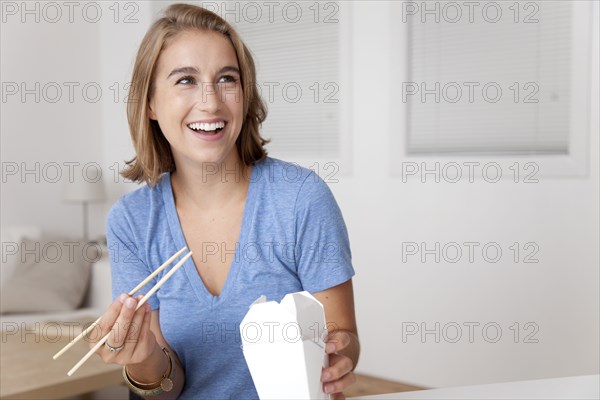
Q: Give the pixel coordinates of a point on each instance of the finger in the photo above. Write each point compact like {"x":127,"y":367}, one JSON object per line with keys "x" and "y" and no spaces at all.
{"x":338,"y":396}
{"x":145,"y":342}
{"x":340,"y":385}
{"x":146,"y":335}
{"x":339,"y":366}
{"x":133,"y":331}
{"x":337,"y":341}
{"x":119,"y":330}
{"x":107,"y":321}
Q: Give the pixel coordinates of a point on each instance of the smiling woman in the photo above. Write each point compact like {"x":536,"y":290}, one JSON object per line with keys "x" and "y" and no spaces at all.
{"x":168,"y":38}
{"x":211,"y":187}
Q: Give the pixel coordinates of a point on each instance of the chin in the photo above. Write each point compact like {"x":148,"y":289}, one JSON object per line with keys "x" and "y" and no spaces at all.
{"x":211,"y":157}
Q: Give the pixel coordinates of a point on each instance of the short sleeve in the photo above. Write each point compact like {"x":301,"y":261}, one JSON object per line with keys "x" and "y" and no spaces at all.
{"x":127,"y":267}
{"x":323,"y":256}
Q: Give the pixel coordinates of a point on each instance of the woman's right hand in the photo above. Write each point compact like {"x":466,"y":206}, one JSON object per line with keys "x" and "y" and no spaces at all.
{"x":130,"y":332}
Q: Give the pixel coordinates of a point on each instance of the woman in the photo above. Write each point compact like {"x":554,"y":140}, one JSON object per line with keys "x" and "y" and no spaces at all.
{"x":256,"y":225}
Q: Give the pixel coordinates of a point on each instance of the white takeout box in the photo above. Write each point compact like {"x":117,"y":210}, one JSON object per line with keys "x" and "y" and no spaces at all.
{"x":284,"y":347}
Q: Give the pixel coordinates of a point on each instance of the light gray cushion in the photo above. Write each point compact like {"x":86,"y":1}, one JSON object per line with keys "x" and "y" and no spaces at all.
{"x":12,"y":236}
{"x":50,"y":275}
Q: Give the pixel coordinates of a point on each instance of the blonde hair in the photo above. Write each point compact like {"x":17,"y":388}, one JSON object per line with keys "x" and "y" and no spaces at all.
{"x":153,"y":152}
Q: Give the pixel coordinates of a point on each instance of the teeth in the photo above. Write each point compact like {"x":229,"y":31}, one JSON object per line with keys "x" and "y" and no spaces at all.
{"x":206,"y":126}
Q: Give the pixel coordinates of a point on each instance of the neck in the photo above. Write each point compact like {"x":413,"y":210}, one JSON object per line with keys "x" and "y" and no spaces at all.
{"x":211,"y":185}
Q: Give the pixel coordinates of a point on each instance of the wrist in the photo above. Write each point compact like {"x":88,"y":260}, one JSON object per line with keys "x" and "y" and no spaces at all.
{"x":165,"y":384}
{"x":151,"y":369}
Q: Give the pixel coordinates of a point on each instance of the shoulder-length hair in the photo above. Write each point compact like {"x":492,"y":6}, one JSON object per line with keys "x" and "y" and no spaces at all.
{"x":153,"y":152}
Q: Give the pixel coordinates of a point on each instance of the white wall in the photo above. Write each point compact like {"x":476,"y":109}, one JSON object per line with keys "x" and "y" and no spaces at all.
{"x":85,"y":45}
{"x":36,"y":135}
{"x":559,"y":294}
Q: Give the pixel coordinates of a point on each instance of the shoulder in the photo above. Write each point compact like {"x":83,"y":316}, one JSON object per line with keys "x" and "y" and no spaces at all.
{"x":298,"y":186}
{"x":291,"y":178}
{"x":137,"y":204}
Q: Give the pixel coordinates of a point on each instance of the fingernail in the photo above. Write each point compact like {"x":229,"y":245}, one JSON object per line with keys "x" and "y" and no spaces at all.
{"x":122,"y":297}
{"x":328,"y":388}
{"x":330,"y":348}
{"x":326,"y":376}
{"x":130,"y":303}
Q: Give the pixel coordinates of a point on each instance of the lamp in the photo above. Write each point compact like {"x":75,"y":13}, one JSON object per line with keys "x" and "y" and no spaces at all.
{"x":85,"y":188}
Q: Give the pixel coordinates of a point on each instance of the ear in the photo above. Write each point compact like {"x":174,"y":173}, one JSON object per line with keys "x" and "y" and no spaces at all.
{"x":151,"y":112}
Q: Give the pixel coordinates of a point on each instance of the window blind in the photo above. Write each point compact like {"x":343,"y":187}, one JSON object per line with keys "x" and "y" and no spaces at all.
{"x":297,"y":58}
{"x":489,"y":84}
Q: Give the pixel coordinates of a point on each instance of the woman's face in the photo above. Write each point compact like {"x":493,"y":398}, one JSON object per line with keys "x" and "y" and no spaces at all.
{"x":198,"y":99}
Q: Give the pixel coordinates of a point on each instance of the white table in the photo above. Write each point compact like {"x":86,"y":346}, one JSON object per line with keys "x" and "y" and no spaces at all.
{"x":576,"y":387}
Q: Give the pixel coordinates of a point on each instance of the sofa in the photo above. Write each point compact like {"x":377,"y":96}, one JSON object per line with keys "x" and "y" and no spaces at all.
{"x":39,"y":286}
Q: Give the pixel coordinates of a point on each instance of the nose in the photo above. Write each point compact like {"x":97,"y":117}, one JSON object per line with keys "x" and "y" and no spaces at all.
{"x":209,"y":98}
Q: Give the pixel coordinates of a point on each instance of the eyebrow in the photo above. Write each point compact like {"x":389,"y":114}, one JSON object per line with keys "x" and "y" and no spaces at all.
{"x":193,"y":70}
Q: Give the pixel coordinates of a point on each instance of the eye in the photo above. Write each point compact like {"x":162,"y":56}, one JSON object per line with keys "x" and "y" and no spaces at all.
{"x":227,"y":79}
{"x":186,"y":80}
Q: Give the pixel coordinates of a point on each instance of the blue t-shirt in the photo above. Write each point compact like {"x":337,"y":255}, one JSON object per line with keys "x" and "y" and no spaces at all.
{"x":292,"y":238}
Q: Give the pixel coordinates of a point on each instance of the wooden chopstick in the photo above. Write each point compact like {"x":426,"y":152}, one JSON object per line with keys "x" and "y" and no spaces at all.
{"x":131,"y":293}
{"x":140,"y":303}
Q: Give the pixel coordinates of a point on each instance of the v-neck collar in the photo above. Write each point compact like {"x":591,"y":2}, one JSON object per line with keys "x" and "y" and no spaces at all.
{"x":193,"y":276}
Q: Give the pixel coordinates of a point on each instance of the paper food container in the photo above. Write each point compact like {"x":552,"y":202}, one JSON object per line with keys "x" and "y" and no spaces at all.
{"x":284,"y":347}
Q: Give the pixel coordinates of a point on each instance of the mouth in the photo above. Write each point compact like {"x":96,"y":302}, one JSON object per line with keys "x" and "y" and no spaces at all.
{"x":207,"y":128}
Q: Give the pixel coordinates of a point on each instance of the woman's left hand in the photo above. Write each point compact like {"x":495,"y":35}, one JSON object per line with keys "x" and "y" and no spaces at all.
{"x":338,"y":376}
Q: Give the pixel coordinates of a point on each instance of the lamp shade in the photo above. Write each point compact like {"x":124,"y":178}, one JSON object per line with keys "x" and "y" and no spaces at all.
{"x":85,"y":187}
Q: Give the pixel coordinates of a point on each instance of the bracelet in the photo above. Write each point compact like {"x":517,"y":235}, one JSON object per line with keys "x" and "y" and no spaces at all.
{"x":146,"y":386}
{"x":152,"y":389}
{"x":152,"y":385}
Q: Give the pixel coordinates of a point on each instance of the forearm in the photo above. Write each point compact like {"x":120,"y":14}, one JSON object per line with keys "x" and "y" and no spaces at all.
{"x":153,"y":370}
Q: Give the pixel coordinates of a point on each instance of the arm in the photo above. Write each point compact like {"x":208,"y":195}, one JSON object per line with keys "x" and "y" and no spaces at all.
{"x":342,"y":342}
{"x":327,"y":274}
{"x":138,"y":332}
{"x":152,"y":369}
